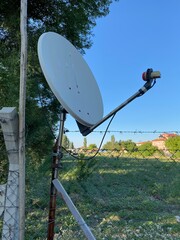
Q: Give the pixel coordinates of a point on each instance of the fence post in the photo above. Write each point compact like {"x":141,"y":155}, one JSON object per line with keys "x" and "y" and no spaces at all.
{"x":9,"y":125}
{"x":22,"y":103}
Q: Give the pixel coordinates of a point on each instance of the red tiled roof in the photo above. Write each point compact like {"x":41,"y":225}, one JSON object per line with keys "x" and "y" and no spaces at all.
{"x":168,"y":135}
{"x":159,"y":140}
{"x":162,"y":138}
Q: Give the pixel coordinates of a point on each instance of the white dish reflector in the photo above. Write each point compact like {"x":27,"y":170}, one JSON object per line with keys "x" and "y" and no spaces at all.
{"x":70,"y":78}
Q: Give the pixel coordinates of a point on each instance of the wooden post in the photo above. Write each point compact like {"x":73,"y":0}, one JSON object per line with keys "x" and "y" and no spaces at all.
{"x":22,"y":102}
{"x":9,"y":125}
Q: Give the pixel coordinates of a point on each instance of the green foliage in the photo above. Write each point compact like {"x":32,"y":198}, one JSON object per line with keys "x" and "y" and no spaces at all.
{"x":71,"y":145}
{"x":128,"y":145}
{"x":85,"y":168}
{"x":72,"y":19}
{"x":65,"y":142}
{"x":173,"y":145}
{"x":113,"y":139}
{"x":113,"y":144}
{"x":92,"y":146}
{"x":147,"y":149}
{"x":56,"y":16}
{"x":85,"y":143}
{"x":3,"y":160}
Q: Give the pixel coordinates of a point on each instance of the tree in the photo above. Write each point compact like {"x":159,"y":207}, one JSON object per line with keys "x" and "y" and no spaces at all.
{"x":92,"y":146}
{"x":85,"y":143}
{"x":147,"y":149}
{"x":113,"y":139}
{"x":71,"y":145}
{"x":65,"y":142}
{"x":173,"y":145}
{"x":128,"y":145}
{"x":111,"y":144}
{"x":72,"y":19}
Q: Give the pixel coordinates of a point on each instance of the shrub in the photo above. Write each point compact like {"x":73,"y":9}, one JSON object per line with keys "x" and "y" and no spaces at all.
{"x":147,"y":149}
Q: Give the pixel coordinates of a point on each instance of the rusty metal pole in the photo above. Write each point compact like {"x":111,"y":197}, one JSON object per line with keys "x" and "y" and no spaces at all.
{"x":57,"y":155}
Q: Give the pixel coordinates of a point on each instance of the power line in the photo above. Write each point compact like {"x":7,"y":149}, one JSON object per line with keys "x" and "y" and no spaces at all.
{"x":130,"y":131}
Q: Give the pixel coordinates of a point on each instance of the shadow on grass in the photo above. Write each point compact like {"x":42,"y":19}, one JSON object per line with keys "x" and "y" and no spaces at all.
{"x":134,"y":189}
{"x":114,"y":193}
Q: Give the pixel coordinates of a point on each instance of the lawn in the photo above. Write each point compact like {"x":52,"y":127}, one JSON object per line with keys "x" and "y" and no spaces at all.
{"x":119,"y":198}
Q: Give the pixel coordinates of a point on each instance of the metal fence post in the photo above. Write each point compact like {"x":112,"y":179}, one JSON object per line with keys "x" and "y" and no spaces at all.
{"x":9,"y":124}
{"x":57,"y":152}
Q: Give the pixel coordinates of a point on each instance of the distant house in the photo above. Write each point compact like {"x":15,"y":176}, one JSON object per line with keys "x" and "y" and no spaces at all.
{"x":141,"y":143}
{"x":160,"y":141}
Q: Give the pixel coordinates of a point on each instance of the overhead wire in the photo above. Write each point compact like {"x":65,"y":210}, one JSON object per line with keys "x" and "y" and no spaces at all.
{"x":102,"y":140}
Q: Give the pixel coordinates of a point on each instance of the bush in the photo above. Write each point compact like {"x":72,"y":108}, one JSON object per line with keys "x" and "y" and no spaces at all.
{"x":173,"y":145}
{"x":147,"y":149}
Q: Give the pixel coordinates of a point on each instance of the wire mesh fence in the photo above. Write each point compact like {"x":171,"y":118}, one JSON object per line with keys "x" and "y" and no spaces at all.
{"x":3,"y":178}
{"x":108,"y":190}
{"x":128,"y":192}
{"x":9,"y":183}
{"x":10,"y":206}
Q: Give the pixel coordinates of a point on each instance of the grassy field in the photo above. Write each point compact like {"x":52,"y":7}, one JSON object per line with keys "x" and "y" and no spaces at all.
{"x":119,"y":198}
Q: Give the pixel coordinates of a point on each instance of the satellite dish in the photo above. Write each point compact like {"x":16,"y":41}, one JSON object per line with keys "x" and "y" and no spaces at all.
{"x":70,"y":78}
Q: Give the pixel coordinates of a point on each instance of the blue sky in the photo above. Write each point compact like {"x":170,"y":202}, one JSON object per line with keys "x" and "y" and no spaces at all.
{"x":136,"y":35}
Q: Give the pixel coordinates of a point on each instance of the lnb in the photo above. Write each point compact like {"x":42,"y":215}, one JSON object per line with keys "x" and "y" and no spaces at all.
{"x":150,"y":74}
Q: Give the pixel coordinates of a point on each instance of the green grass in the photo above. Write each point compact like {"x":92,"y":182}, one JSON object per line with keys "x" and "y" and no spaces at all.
{"x":119,"y":198}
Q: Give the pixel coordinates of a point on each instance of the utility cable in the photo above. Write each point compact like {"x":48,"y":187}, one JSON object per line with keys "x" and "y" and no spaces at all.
{"x":52,"y":133}
{"x":89,"y":158}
